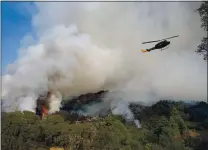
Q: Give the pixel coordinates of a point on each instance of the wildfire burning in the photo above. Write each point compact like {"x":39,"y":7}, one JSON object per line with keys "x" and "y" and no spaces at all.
{"x":42,"y":106}
{"x":44,"y":112}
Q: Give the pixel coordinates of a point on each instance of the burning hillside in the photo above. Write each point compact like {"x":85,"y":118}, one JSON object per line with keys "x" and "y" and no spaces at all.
{"x":47,"y":103}
{"x":76,"y":103}
{"x":42,"y":104}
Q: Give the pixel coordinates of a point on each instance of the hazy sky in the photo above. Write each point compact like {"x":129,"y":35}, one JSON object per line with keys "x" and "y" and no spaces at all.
{"x":16,"y":23}
{"x":87,"y":47}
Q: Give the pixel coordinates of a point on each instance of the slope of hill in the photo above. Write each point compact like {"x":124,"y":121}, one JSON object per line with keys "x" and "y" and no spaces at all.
{"x":164,"y":127}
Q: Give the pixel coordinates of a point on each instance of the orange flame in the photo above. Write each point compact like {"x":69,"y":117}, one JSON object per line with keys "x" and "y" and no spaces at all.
{"x":44,"y":111}
{"x":143,"y":51}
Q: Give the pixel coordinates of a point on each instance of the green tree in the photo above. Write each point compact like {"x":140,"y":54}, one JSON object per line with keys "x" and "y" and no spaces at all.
{"x":30,"y":117}
{"x":112,"y":134}
{"x":179,"y":120}
{"x":163,"y":122}
{"x":174,"y":126}
{"x":162,"y":108}
{"x":203,"y":12}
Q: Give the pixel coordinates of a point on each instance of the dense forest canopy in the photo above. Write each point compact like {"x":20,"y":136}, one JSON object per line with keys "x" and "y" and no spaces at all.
{"x":166,"y":125}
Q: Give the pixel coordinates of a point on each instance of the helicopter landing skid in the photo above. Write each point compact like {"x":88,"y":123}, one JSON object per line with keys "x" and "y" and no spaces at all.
{"x":164,"y":48}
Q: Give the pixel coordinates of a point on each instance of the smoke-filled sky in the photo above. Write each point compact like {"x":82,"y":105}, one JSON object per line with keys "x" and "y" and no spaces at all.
{"x":82,"y":47}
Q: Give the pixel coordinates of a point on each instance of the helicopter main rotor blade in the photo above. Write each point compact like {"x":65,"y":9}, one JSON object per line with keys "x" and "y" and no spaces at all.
{"x":160,"y":40}
{"x":170,"y":37}
{"x":151,"y":41}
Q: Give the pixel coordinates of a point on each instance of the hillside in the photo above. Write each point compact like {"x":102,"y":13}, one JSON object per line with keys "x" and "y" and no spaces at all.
{"x":64,"y":50}
{"x":165,"y":126}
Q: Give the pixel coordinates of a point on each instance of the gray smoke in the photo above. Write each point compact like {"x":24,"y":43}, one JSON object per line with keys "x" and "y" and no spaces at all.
{"x":91,"y":46}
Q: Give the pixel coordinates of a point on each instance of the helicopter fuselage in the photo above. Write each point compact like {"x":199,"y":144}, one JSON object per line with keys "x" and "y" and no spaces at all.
{"x":160,"y":45}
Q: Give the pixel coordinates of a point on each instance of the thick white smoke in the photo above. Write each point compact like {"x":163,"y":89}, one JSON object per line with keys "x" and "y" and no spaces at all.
{"x":87,"y":47}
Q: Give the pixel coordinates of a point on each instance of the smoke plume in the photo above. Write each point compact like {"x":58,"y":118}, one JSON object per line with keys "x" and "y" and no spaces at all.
{"x":84,"y":47}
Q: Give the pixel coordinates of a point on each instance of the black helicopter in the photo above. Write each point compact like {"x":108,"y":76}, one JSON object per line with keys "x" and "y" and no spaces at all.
{"x":161,"y":45}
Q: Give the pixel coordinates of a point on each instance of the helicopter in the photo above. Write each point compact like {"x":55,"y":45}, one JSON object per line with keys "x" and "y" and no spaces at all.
{"x":161,"y":45}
